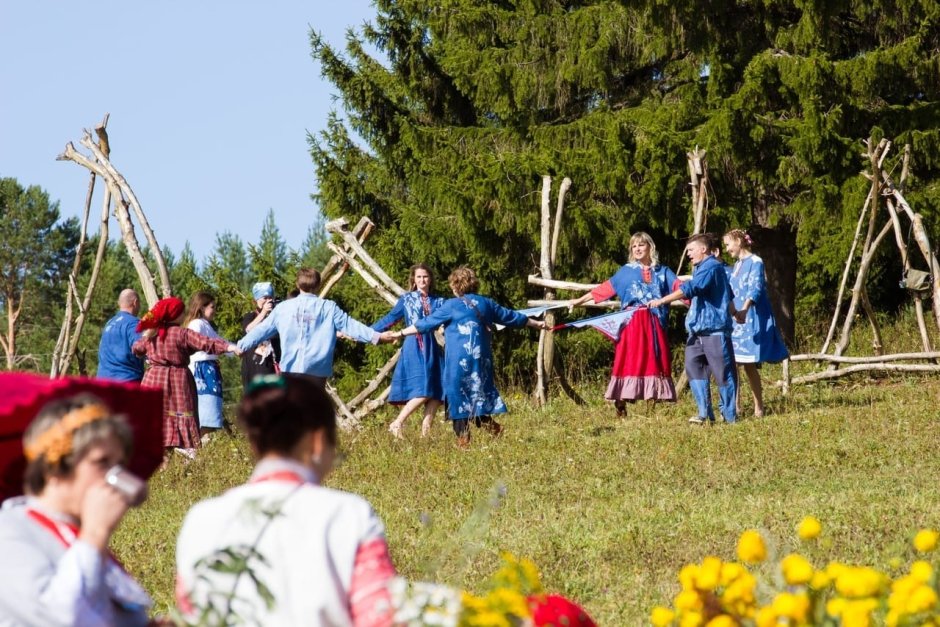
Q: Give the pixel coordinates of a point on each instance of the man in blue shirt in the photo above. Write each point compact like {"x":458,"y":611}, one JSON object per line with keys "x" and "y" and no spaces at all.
{"x":307,"y":326}
{"x":708,"y":348}
{"x":115,"y":359}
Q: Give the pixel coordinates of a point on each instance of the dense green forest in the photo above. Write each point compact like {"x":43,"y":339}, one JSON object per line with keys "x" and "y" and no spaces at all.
{"x":451,"y":113}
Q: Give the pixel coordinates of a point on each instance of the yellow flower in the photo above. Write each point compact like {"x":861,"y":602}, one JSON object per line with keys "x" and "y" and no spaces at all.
{"x":709,"y":574}
{"x":792,"y":606}
{"x":662,"y":616}
{"x":922,"y":599}
{"x":722,"y":621}
{"x":809,"y":528}
{"x":730,"y":571}
{"x":751,"y":547}
{"x":858,"y":613}
{"x":796,"y":569}
{"x":691,"y":619}
{"x":859,"y":581}
{"x":688,"y":600}
{"x":688,"y":576}
{"x":820,"y":580}
{"x":926,"y":540}
{"x":921,"y":571}
{"x":766,"y":617}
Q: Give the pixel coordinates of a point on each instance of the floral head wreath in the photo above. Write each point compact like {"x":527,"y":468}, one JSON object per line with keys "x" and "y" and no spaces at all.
{"x":56,"y":442}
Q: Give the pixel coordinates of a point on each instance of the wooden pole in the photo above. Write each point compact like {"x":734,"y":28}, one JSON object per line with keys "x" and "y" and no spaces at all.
{"x":546,"y":271}
{"x":365,"y":258}
{"x":335,"y":268}
{"x":356,"y":265}
{"x":373,"y":385}
{"x":865,"y":360}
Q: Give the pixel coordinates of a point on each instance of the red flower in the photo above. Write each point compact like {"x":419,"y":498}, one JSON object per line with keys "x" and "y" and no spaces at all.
{"x":553,"y":610}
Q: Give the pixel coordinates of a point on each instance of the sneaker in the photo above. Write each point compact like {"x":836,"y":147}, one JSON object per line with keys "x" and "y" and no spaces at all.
{"x":697,"y":420}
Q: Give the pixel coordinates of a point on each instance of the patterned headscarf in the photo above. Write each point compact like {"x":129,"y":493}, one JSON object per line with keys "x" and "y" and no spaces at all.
{"x":163,"y":314}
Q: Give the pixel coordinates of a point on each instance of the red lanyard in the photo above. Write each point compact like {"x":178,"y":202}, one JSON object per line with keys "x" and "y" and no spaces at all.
{"x":288,"y":476}
{"x":54,"y":527}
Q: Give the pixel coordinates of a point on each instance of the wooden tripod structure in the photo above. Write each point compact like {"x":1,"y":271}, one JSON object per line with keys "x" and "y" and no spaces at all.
{"x":349,"y":254}
{"x":120,"y":199}
{"x":883,"y":194}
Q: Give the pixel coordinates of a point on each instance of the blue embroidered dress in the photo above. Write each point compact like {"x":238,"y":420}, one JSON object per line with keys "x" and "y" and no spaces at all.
{"x":758,"y":339}
{"x":419,"y":369}
{"x":468,"y":361}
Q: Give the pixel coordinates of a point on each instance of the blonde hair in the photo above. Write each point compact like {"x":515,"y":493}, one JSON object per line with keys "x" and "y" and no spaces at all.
{"x":741,"y":237}
{"x":642,"y":236}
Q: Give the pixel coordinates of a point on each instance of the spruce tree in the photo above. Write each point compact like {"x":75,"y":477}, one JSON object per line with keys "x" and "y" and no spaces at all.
{"x":446,"y":135}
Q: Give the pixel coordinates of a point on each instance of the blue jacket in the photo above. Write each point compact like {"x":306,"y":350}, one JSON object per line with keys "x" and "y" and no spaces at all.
{"x":710,"y":292}
{"x":115,"y":359}
{"x":307,"y":327}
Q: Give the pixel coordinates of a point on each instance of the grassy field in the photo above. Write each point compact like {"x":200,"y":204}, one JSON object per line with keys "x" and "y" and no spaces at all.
{"x":611,"y":508}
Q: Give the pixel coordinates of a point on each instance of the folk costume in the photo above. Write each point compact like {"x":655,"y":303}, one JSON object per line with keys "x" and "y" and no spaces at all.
{"x":116,"y":359}
{"x":168,"y":352}
{"x":418,"y":373}
{"x":708,"y":349}
{"x":307,"y":326}
{"x":642,"y":368}
{"x":468,"y":361}
{"x":265,"y":357}
{"x":51,"y":578}
{"x":757,"y":340}
{"x":320,"y":554}
{"x":208,"y":377}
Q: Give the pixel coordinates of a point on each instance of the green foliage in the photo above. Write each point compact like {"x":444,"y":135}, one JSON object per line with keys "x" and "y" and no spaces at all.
{"x":36,"y":252}
{"x":449,"y":131}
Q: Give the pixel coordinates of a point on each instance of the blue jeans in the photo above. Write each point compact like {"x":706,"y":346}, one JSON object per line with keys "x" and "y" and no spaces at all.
{"x":712,"y":355}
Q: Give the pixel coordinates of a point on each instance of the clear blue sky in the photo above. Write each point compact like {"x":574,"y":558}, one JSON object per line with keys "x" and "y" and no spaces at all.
{"x":210,"y":105}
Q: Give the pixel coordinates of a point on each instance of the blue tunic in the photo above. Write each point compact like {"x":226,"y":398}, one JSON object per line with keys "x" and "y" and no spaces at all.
{"x":468,"y":361}
{"x":633,"y":291}
{"x":710,"y":292}
{"x":419,"y":369}
{"x":758,"y":339}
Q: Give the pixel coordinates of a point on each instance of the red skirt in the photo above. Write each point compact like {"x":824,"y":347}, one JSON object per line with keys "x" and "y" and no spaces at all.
{"x":641,"y":362}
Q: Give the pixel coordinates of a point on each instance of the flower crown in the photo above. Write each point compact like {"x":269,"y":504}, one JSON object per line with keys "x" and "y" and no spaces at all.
{"x":56,"y":441}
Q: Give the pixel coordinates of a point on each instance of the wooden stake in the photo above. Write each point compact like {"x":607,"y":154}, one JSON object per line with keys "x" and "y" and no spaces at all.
{"x":376,"y":381}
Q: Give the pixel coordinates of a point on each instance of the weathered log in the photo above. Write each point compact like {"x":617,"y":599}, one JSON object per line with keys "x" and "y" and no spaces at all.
{"x":355,"y":264}
{"x":335,"y":268}
{"x":364,"y":257}
{"x":873,"y":367}
{"x":346,"y":420}
{"x":535,"y":279}
{"x":840,"y":359}
{"x":545,"y":268}
{"x":876,"y":343}
{"x":370,"y":406}
{"x":376,"y":381}
{"x":134,"y":204}
{"x":607,"y":304}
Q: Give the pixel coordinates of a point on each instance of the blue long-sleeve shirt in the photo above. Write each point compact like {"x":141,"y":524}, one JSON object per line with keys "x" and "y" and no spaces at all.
{"x":710,"y":293}
{"x":307,"y":326}
{"x":115,"y":358}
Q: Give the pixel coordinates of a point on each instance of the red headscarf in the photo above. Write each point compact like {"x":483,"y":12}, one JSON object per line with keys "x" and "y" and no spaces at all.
{"x":164,"y":313}
{"x":555,"y":610}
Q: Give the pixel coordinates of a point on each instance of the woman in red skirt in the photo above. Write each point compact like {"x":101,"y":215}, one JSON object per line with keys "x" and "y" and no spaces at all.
{"x":167,"y":347}
{"x":642,"y":367}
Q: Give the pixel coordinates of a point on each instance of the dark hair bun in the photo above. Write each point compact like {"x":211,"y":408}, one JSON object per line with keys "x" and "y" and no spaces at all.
{"x":276,"y":412}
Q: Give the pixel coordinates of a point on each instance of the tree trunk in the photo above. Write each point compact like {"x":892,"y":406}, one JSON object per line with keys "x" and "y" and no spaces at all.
{"x":777,"y":247}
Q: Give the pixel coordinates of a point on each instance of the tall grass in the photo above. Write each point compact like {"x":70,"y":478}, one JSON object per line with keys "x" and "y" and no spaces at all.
{"x":611,"y":508}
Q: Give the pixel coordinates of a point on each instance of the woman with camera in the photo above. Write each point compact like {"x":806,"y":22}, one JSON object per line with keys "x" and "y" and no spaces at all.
{"x":282,"y":549}
{"x":56,"y":568}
